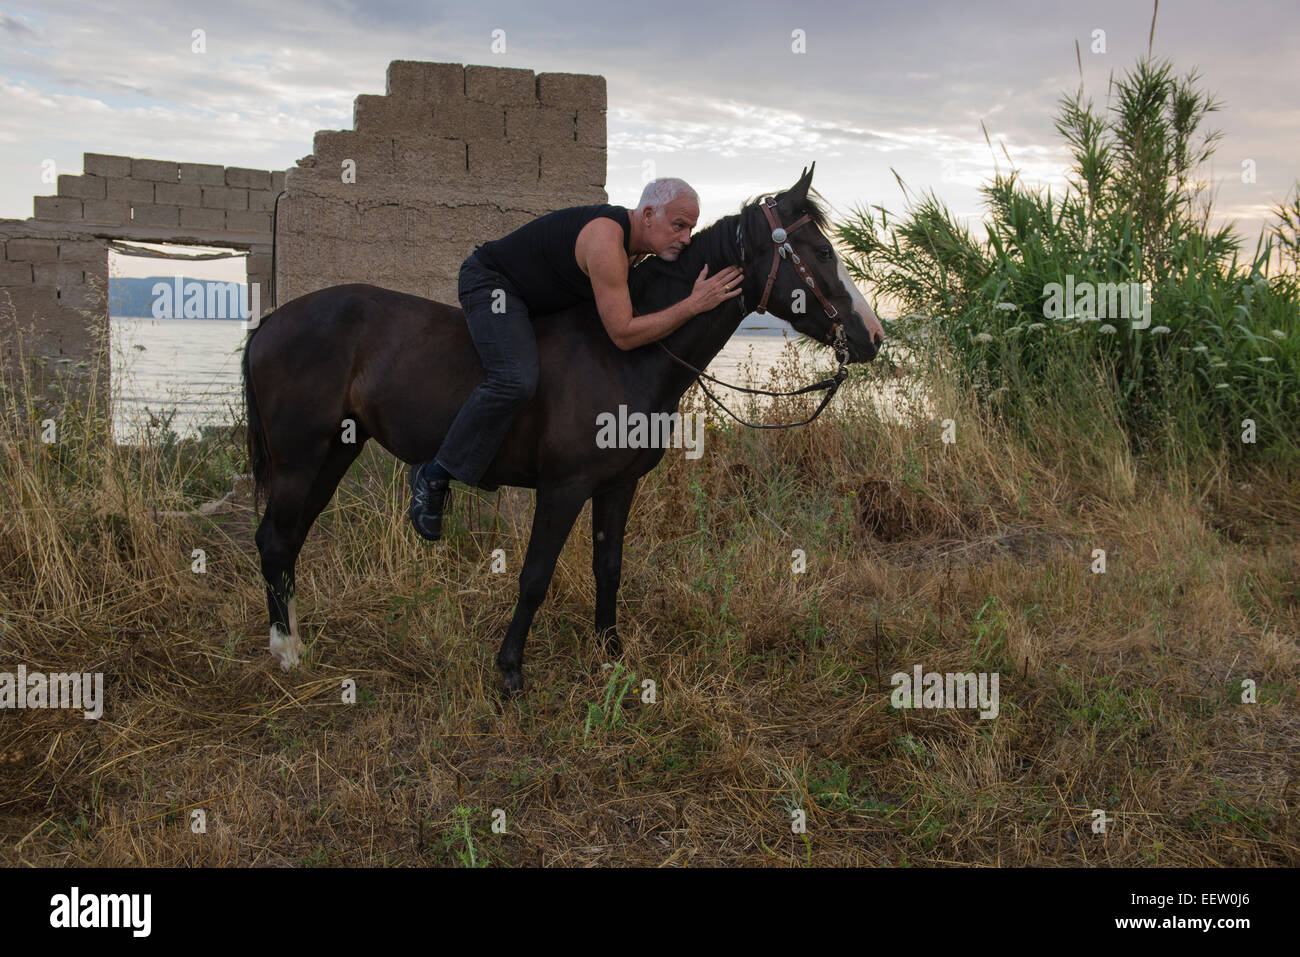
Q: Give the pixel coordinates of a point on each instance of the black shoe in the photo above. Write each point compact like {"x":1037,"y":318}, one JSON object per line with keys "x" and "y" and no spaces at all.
{"x":427,"y":500}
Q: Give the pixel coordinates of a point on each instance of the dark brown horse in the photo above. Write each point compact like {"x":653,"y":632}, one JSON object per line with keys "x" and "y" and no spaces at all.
{"x":400,"y":368}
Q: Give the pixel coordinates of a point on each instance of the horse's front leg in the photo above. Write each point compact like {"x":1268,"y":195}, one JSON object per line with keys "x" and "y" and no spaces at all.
{"x":557,"y":509}
{"x":609,"y":510}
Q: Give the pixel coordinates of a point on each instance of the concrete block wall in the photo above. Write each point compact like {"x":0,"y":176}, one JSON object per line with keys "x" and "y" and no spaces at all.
{"x":124,"y":191}
{"x":168,"y":201}
{"x":53,"y":300}
{"x":450,"y":156}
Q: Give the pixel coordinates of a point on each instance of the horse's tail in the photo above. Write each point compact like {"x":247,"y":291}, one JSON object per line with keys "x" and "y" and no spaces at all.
{"x":259,"y":456}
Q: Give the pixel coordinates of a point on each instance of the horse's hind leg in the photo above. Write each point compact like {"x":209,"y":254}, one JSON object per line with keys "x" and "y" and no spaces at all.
{"x":608,"y":522}
{"x":557,"y":509}
{"x":295,"y":500}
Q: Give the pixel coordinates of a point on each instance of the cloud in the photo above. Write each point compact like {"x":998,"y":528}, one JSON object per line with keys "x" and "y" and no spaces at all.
{"x":713,"y":93}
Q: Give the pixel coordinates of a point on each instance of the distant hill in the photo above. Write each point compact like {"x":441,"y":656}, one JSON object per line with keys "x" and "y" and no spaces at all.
{"x":130,"y":297}
{"x":764,"y":325}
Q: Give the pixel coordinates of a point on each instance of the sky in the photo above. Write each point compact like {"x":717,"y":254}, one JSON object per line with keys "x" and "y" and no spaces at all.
{"x":714,"y":93}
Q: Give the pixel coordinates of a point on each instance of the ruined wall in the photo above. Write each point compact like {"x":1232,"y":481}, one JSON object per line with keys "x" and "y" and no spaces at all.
{"x":450,"y":157}
{"x":54,"y":271}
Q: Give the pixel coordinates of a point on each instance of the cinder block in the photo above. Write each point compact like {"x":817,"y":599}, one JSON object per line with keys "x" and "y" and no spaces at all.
{"x":505,"y":165}
{"x":591,"y":128}
{"x":308,"y":220}
{"x":540,"y":125}
{"x":154,"y":215}
{"x":82,"y":187}
{"x":429,"y":160}
{"x":110,"y":211}
{"x":330,"y":147}
{"x":386,"y":224}
{"x":203,"y":174}
{"x":178,"y":194}
{"x":243,"y":178}
{"x":261,"y":199}
{"x":425,"y":82}
{"x":576,"y":91}
{"x":245,"y":221}
{"x":58,"y":274}
{"x":15,"y":274}
{"x":574,"y":166}
{"x":158,"y":170}
{"x":83,"y":251}
{"x":131,"y":190}
{"x":503,"y":85}
{"x":58,"y":208}
{"x":374,"y":163}
{"x":31,"y":250}
{"x":105,"y":164}
{"x":277,"y":181}
{"x":460,"y":118}
{"x":391,"y":115}
{"x":224,"y":197}
{"x":79,"y":296}
{"x":258,"y":264}
{"x":192,"y":218}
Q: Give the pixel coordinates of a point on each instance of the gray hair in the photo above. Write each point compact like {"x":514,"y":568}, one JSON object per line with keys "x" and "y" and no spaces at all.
{"x":660,"y":192}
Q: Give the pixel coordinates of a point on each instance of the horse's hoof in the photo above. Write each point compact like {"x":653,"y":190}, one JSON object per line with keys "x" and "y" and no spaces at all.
{"x":285,"y":648}
{"x":613,"y":645}
{"x":514,"y":684}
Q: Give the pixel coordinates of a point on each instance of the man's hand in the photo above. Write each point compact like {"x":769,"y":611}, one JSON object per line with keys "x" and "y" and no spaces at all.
{"x":712,"y":291}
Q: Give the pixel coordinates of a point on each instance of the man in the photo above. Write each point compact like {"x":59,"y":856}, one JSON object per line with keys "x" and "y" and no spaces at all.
{"x":579,"y":254}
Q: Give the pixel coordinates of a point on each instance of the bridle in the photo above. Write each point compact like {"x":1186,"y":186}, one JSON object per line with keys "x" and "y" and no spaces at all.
{"x":781,"y":250}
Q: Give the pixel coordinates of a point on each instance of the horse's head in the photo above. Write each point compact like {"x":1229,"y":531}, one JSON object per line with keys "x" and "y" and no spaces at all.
{"x":810,"y":289}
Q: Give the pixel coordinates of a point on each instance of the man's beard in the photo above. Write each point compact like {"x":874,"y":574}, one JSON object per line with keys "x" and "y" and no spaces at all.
{"x":670,"y":254}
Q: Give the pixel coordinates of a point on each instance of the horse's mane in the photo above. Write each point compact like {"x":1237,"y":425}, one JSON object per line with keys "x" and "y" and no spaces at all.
{"x":656,"y":283}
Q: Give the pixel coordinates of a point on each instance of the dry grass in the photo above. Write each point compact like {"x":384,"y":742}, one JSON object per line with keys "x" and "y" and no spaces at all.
{"x":1119,"y":691}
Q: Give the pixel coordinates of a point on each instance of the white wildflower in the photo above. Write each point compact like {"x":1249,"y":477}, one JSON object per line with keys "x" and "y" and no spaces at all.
{"x":1159,"y":330}
{"x":1107,"y":329}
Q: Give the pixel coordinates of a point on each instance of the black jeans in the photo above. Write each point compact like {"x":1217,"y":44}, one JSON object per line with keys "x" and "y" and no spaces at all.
{"x":503,"y":334}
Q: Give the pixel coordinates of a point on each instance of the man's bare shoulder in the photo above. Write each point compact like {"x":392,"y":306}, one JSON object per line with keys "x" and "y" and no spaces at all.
{"x":600,"y":242}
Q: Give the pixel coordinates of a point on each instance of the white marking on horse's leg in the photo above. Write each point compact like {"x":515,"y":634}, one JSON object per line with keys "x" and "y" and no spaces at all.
{"x":277,"y":644}
{"x":287,"y":648}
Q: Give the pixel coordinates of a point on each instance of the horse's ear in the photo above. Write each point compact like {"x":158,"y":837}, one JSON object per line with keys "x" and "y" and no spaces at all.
{"x":797,"y":195}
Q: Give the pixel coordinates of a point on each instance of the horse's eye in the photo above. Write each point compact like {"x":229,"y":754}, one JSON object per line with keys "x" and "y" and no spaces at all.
{"x":824,"y":254}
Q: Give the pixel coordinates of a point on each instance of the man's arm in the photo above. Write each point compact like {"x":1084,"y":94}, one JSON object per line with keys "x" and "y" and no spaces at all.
{"x":600,"y":252}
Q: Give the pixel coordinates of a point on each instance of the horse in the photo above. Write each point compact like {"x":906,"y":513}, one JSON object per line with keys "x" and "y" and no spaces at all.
{"x":400,"y":367}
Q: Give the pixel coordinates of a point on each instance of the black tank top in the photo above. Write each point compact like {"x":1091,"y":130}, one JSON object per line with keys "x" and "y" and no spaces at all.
{"x":538,"y":257}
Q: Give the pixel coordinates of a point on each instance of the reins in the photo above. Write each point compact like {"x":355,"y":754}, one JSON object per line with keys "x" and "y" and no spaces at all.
{"x":781,"y":250}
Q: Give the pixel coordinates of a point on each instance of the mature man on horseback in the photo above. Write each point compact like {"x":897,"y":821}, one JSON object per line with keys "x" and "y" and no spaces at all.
{"x":579,"y":254}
